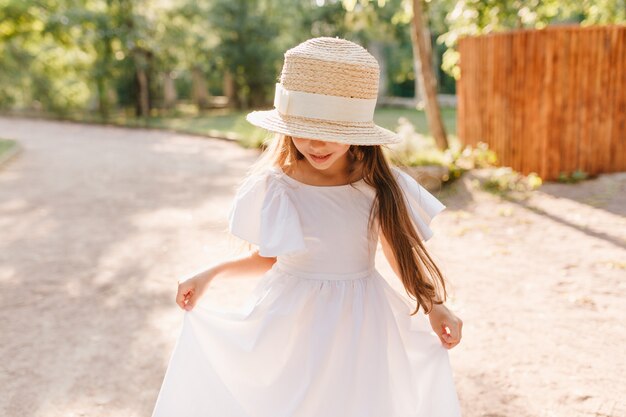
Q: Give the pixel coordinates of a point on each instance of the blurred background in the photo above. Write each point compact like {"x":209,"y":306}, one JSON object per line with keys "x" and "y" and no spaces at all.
{"x":123,"y":137}
{"x":200,"y":65}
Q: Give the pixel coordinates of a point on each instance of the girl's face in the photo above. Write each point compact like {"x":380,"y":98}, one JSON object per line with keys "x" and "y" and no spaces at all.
{"x":321,"y":154}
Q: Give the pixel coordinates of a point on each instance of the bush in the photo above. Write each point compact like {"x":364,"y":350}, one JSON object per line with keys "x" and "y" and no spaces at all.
{"x":574,"y":177}
{"x":417,"y":150}
{"x":504,"y":179}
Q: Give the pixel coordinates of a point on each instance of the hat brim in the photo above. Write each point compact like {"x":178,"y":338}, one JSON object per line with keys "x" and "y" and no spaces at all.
{"x":353,"y":133}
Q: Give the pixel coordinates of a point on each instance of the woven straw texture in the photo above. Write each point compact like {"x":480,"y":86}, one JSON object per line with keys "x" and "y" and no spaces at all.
{"x":334,"y":67}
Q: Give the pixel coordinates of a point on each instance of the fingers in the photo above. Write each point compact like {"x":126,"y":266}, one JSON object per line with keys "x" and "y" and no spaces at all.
{"x":451,"y":335}
{"x":455,"y":330}
{"x":185,"y":297}
{"x":445,"y":343}
{"x":191,"y":301}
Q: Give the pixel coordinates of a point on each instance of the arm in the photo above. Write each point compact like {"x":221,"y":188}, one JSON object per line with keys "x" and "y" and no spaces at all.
{"x":192,"y":288}
{"x":443,"y":321}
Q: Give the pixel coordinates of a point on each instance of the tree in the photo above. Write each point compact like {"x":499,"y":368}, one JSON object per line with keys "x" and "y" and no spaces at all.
{"x":42,"y":66}
{"x":186,"y":42}
{"x":422,"y":53}
{"x":422,"y":57}
{"x":247,"y":32}
{"x":469,"y":18}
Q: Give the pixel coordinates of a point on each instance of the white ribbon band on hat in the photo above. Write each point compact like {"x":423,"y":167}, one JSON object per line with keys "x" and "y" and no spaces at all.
{"x":322,"y":106}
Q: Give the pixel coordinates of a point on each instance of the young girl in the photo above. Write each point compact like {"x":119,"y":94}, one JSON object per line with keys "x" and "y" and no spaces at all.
{"x":324,"y":334}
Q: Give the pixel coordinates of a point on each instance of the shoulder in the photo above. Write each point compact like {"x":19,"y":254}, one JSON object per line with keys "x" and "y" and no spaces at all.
{"x":259,"y":178}
{"x":422,"y":205}
{"x":402,"y":177}
{"x":410,"y":185}
{"x":261,"y":184}
{"x":263,"y":214}
{"x":258,"y":191}
{"x":266,"y":177}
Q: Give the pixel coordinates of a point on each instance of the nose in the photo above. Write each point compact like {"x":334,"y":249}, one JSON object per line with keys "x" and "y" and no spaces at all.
{"x":314,"y":143}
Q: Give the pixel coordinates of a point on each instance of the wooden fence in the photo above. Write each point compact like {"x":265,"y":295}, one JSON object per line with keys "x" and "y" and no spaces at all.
{"x":547,"y":101}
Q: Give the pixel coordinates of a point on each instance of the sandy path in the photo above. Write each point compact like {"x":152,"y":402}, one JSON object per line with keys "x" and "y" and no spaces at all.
{"x":97,"y":223}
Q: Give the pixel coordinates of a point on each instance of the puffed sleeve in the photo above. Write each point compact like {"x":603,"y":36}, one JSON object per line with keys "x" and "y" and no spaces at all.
{"x":263,"y":214}
{"x":422,"y":205}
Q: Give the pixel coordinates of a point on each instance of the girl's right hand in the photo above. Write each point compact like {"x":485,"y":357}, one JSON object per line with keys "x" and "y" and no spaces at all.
{"x":190,"y":291}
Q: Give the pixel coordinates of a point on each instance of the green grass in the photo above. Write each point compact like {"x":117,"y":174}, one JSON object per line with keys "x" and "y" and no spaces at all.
{"x":233,"y":124}
{"x":387,"y":117}
{"x":220,"y":122}
{"x":5,"y":145}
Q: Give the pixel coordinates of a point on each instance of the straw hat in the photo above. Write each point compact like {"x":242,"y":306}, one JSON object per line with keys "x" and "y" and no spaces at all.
{"x":327,"y":91}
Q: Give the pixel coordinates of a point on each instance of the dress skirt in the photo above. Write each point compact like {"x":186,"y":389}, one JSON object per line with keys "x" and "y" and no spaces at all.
{"x":309,"y":345}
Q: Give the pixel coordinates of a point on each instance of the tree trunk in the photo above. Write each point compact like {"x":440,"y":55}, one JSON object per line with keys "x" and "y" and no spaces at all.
{"x":103,"y":103}
{"x":199,"y":93}
{"x":143,"y":95}
{"x":422,"y":52}
{"x":102,"y":74}
{"x":169,"y":91}
{"x":417,"y":71}
{"x":229,"y":88}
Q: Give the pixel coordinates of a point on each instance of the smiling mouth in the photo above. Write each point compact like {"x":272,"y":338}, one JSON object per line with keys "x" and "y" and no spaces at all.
{"x":320,"y":158}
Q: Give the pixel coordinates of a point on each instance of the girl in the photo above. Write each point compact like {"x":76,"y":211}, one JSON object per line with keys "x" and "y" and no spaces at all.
{"x":324,"y":335}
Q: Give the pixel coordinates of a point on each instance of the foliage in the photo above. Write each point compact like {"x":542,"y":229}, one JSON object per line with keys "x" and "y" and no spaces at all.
{"x":418,"y":150}
{"x":89,"y":54}
{"x":476,"y":157}
{"x":62,"y":56}
{"x":504,"y":179}
{"x":55,"y":65}
{"x":389,"y":22}
{"x":247,"y":46}
{"x":475,"y":17}
{"x":573,"y":177}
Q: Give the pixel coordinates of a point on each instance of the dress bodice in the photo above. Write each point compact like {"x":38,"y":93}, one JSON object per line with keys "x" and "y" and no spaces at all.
{"x":334,"y":222}
{"x":319,"y":229}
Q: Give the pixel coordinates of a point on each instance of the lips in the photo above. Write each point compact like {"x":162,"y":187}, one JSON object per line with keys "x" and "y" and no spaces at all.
{"x":320,"y":158}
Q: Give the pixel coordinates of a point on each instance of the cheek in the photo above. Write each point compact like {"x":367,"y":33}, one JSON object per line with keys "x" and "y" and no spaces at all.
{"x":300,"y":145}
{"x":340,"y":150}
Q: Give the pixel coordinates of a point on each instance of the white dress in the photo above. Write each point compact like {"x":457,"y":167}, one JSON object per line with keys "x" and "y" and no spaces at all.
{"x":324,"y":334}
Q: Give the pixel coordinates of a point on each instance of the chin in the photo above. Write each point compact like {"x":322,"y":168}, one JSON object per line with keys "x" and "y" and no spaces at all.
{"x":321,"y":165}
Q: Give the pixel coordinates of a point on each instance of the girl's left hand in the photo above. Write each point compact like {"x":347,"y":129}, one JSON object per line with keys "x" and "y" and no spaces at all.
{"x":446,"y":324}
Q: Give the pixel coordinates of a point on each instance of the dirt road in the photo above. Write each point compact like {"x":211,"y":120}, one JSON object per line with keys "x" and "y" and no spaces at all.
{"x":97,"y":224}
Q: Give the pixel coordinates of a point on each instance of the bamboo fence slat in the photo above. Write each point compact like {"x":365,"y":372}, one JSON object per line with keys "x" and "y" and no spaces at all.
{"x":549,"y":101}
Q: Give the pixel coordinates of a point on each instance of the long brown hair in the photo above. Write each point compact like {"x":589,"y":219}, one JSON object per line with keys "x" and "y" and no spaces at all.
{"x":419,"y":274}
